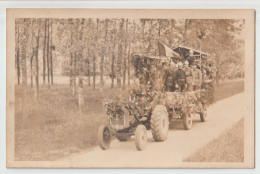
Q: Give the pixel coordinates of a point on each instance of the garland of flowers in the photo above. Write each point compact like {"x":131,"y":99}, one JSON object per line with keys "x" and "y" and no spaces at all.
{"x":194,"y":101}
{"x":115,"y":108}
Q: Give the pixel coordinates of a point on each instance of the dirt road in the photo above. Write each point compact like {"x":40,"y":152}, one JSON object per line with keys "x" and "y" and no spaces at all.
{"x":180,"y":143}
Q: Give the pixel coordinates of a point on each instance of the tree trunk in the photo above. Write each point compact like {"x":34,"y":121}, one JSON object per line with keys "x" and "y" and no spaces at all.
{"x":171,"y":41}
{"x":31,"y":67}
{"x":88,"y":73}
{"x":74,"y":82}
{"x":18,"y":57}
{"x":48,"y":51}
{"x":120,"y":54}
{"x":89,"y":57}
{"x":128,"y":63}
{"x":187,"y":22}
{"x":102,"y":56}
{"x":159,"y":30}
{"x":80,"y":93}
{"x":150,"y":37}
{"x":95,"y":52}
{"x":112,"y":70}
{"x":37,"y":63}
{"x":51,"y":60}
{"x":80,"y":82}
{"x":143,"y":39}
{"x":44,"y":51}
{"x":23,"y":56}
{"x":94,"y":71}
{"x":71,"y":63}
{"x":22,"y":46}
{"x":71,"y":60}
{"x":125,"y":54}
{"x":88,"y":63}
{"x":81,"y":54}
{"x":129,"y":54}
{"x":113,"y":57}
{"x":101,"y":69}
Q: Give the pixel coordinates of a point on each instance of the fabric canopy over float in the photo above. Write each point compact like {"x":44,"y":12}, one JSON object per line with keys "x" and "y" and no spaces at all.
{"x":184,"y":52}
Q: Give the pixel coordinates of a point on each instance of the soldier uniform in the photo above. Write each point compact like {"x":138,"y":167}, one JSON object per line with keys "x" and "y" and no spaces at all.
{"x":169,"y":78}
{"x":190,"y":58}
{"x":197,"y":78}
{"x":180,"y":78}
{"x":188,"y":76}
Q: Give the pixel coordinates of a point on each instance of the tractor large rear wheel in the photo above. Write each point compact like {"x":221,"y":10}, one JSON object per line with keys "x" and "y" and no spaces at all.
{"x":160,"y":123}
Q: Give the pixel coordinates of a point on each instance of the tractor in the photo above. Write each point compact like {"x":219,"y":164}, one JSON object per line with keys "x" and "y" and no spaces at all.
{"x":148,"y":106}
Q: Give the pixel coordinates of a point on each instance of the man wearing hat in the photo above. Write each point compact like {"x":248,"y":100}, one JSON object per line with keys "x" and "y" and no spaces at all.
{"x":190,"y":58}
{"x":175,"y":60}
{"x":180,"y":79}
{"x":188,"y":76}
{"x":197,"y":77}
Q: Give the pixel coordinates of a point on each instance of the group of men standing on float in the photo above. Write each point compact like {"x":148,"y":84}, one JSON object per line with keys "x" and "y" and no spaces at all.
{"x":181,"y":76}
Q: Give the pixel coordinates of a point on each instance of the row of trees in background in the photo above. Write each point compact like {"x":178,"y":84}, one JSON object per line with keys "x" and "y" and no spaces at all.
{"x":103,"y":47}
{"x":96,"y":47}
{"x":31,"y":36}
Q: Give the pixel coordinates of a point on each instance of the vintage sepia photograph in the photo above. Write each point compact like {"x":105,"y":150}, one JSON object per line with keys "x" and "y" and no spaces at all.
{"x":130,"y":88}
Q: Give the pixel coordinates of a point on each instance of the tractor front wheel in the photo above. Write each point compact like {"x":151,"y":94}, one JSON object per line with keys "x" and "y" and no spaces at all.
{"x":140,"y":137}
{"x":104,"y":137}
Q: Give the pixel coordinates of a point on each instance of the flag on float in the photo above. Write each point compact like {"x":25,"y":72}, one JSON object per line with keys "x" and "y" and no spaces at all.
{"x":166,"y":51}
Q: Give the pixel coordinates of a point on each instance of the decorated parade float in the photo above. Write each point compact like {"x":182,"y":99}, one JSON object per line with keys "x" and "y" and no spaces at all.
{"x":148,"y":106}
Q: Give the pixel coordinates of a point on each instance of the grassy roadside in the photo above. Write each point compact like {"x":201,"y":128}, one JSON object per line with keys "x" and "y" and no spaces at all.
{"x":228,"y":89}
{"x":229,"y":147}
{"x":52,"y":127}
